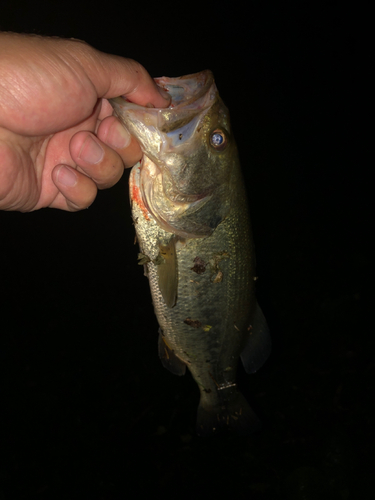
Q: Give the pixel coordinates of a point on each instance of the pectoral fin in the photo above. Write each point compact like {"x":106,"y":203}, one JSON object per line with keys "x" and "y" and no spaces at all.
{"x":167,"y":272}
{"x":258,"y":346}
{"x":169,"y":358}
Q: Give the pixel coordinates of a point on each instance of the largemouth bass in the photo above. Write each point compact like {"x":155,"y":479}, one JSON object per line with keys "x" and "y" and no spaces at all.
{"x":190,"y":214}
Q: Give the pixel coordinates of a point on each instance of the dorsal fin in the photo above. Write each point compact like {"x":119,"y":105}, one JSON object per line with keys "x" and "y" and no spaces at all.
{"x":258,"y":346}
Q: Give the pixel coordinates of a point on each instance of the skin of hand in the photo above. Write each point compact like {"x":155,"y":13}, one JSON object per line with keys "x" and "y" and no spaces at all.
{"x":59,"y":142}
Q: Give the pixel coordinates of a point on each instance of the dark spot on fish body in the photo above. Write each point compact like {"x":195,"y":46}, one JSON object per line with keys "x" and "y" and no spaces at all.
{"x":195,"y":323}
{"x":199,"y":265}
{"x":180,"y":136}
{"x":163,"y":250}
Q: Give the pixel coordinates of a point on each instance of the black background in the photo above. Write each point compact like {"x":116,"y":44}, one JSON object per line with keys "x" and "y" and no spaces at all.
{"x":87,"y":410}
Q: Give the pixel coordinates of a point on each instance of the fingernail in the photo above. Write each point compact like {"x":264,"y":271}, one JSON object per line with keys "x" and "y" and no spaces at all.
{"x":91,"y":151}
{"x":66,"y":176}
{"x":118,"y":136}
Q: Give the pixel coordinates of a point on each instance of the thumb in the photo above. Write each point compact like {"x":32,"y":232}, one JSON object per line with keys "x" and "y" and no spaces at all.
{"x":114,"y":75}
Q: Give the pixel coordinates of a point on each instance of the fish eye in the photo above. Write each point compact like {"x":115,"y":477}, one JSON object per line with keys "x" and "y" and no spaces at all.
{"x":218,"y":140}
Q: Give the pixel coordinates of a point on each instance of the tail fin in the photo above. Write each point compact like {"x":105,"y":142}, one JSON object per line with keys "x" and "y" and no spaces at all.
{"x":233,"y":415}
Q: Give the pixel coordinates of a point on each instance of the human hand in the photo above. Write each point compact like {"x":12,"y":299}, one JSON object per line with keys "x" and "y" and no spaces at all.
{"x":59,"y":142}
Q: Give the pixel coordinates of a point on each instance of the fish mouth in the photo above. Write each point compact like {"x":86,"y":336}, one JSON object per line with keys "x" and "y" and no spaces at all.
{"x":161,"y":129}
{"x":190,"y":91}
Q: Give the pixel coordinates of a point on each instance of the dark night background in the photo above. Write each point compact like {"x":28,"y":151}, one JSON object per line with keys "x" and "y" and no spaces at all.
{"x":87,"y":410}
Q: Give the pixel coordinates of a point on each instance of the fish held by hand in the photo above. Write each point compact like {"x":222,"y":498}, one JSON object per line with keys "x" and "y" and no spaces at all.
{"x":190,"y":214}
